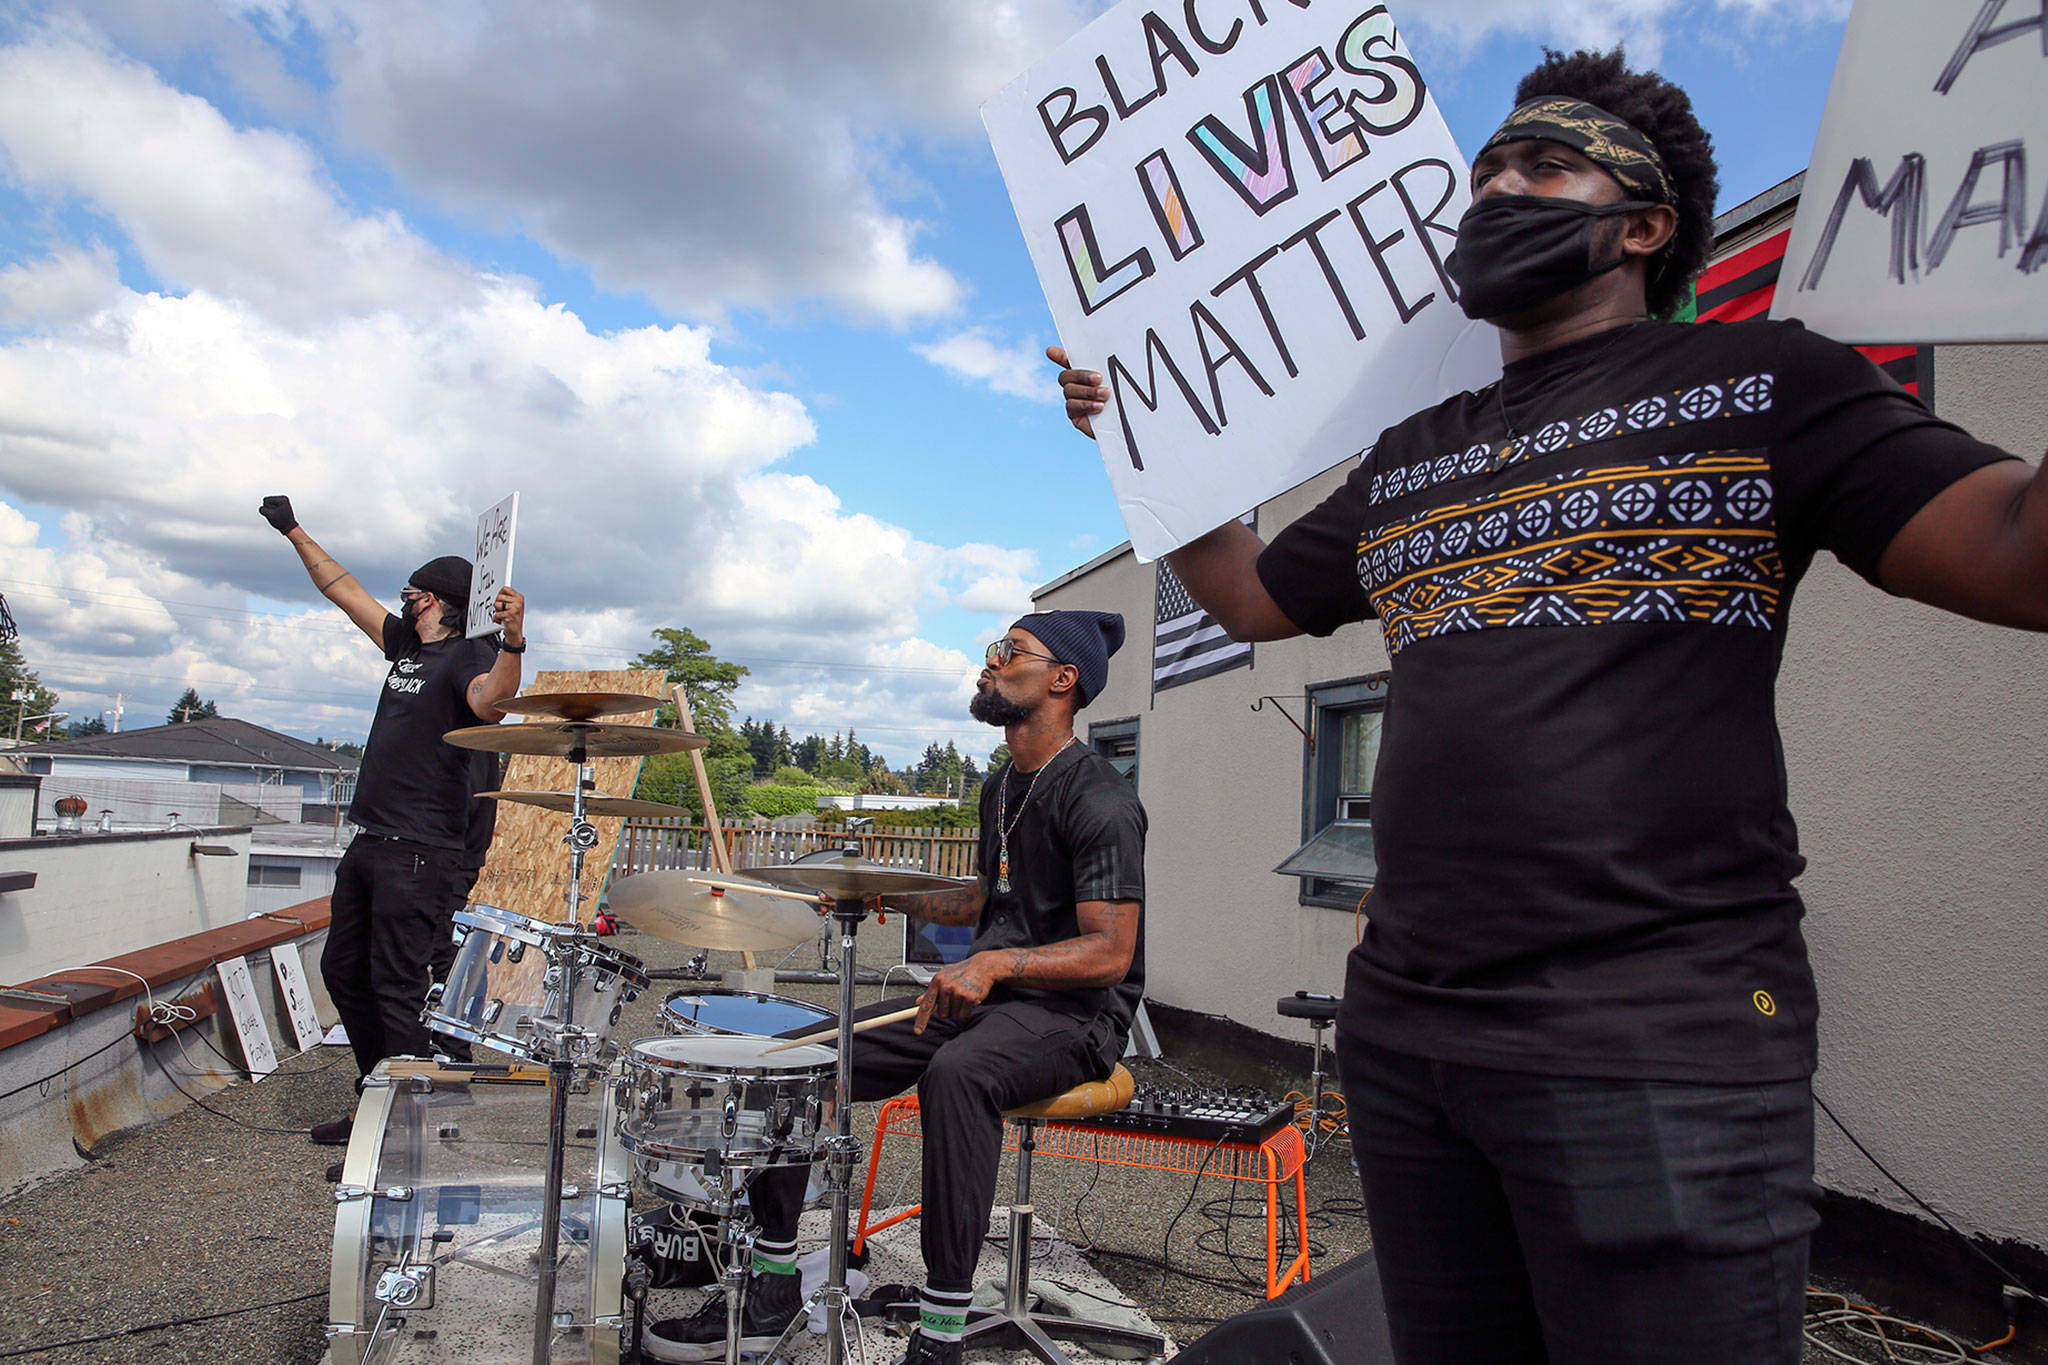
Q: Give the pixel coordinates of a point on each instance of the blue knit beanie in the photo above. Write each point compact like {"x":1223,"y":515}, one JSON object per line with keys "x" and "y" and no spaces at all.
{"x":1084,"y":639}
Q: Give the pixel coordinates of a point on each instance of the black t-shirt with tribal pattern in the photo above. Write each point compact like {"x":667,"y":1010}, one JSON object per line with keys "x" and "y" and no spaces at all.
{"x":1586,"y":860}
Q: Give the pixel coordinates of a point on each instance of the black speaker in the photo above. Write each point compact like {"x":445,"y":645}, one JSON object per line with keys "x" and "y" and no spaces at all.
{"x":1337,"y":1318}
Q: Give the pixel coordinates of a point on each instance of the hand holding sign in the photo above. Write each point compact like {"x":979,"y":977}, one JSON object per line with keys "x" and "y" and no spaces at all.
{"x":493,"y":571}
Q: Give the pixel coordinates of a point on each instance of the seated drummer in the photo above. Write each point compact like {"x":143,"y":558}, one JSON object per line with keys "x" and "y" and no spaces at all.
{"x":1042,"y":1003}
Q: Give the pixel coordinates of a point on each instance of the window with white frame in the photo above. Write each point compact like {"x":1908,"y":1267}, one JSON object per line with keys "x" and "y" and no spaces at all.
{"x":1335,"y":861}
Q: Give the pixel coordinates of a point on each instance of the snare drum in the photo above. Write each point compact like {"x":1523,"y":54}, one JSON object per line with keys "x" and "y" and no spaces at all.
{"x":508,"y":973}
{"x":699,"y":1013}
{"x":438,"y":1219}
{"x":702,"y":1115}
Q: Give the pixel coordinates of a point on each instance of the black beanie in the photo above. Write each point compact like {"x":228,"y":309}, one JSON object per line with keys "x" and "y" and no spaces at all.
{"x":1084,"y":639}
{"x":447,"y":578}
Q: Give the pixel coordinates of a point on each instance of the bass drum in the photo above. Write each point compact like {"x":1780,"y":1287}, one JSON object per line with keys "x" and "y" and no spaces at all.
{"x":438,"y":1216}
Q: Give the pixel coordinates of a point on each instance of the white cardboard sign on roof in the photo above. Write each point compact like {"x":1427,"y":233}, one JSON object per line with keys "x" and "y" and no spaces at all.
{"x":1915,"y":221}
{"x":1239,"y":216}
{"x":298,"y":999}
{"x":259,"y":1054}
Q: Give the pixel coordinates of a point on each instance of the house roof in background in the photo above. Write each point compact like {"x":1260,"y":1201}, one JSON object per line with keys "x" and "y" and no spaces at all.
{"x":216,"y":740}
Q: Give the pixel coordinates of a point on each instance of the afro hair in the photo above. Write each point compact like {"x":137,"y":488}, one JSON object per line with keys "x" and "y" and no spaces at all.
{"x":1663,"y":113}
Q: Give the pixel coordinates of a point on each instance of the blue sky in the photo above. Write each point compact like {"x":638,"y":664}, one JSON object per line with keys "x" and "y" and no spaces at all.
{"x":731,"y":293}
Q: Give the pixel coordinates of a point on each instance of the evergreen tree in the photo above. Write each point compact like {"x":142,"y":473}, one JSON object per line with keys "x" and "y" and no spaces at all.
{"x":23,"y":694}
{"x":684,"y":657}
{"x":190,"y":707}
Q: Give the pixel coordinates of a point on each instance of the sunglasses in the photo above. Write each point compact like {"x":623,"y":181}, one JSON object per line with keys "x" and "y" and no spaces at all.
{"x":408,"y":594}
{"x":999,"y":654}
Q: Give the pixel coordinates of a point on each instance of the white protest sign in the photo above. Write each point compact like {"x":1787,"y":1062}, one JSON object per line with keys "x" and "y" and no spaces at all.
{"x":1914,"y":220}
{"x":1241,"y":223}
{"x":258,"y":1053}
{"x":493,"y":561}
{"x":298,"y":1000}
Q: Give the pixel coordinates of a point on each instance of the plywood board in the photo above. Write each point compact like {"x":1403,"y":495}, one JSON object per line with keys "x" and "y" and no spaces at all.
{"x":527,"y":869}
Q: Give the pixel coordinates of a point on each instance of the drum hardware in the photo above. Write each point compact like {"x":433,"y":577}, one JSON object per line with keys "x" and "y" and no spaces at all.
{"x":569,"y":738}
{"x":847,"y":881}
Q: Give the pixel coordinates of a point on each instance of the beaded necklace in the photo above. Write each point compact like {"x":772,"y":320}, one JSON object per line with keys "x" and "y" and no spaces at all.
{"x":1004,"y":824}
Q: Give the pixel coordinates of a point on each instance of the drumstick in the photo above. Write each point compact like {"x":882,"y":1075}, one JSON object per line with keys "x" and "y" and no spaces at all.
{"x":828,"y":1034}
{"x":754,"y":888}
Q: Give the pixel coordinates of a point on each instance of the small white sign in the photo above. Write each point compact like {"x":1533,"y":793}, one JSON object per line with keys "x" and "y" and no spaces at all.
{"x":257,"y":1051}
{"x":298,"y":1000}
{"x":1240,"y":218}
{"x":493,"y":561}
{"x":1917,"y":220}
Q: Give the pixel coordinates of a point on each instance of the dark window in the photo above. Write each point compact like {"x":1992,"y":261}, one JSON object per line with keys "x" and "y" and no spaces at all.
{"x":1117,"y":741}
{"x":1335,"y":861}
{"x":273,"y":874}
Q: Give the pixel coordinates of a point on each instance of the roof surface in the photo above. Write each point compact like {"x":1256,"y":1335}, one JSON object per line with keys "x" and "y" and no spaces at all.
{"x":218,"y":739}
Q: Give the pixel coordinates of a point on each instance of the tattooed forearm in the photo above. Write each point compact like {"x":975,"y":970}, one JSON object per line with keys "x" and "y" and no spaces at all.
{"x":960,"y":907}
{"x":1100,"y":958}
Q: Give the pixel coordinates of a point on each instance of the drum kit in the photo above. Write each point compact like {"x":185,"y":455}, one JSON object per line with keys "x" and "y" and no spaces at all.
{"x":439,"y":1209}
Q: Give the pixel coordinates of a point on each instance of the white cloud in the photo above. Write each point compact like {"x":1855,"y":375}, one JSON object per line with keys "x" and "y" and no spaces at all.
{"x":69,"y":284}
{"x":1017,"y":368}
{"x":245,"y":214}
{"x":707,"y":155}
{"x":306,"y":348}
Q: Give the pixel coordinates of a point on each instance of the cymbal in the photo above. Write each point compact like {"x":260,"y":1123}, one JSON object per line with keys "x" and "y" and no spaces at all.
{"x":593,"y":803}
{"x":673,"y":906}
{"x":560,"y":739}
{"x":849,"y":878}
{"x":579,"y":705}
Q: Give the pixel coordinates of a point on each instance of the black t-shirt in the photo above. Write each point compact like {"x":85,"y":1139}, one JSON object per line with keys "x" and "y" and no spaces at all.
{"x":1583,"y":577}
{"x":483,"y":814}
{"x":1079,"y":837}
{"x":412,"y":784}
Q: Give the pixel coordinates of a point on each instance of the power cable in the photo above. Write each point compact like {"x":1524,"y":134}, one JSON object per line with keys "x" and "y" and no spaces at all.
{"x":162,"y":1326}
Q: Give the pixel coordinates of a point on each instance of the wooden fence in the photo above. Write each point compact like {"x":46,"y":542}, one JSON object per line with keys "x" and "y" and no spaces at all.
{"x":655,"y":845}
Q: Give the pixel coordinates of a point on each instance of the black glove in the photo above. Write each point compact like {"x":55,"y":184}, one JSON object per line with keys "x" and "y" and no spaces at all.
{"x":277,"y":510}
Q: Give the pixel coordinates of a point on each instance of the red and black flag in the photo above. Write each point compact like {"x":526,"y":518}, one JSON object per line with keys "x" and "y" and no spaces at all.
{"x":1740,"y":286}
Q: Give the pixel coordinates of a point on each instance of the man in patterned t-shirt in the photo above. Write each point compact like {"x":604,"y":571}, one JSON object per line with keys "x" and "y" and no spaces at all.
{"x":1578,"y":1031}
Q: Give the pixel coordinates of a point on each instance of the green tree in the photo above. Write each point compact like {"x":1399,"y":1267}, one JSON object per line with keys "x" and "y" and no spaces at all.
{"x":23,"y":694}
{"x":190,"y":707}
{"x":809,"y":753}
{"x":683,"y":656}
{"x":90,"y":726}
{"x":998,"y":758}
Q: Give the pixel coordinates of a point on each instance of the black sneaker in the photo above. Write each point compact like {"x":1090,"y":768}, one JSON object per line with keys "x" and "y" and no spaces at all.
{"x":334,"y":1133}
{"x":772,"y":1303}
{"x":929,"y":1350}
{"x":334,"y":1173}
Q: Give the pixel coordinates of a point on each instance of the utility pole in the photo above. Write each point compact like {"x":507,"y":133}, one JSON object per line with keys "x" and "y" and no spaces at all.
{"x":117,"y":713}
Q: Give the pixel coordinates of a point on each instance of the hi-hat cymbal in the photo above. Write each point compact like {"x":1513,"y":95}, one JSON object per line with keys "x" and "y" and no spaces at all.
{"x":579,"y":705}
{"x":849,"y":878}
{"x":562,"y":738}
{"x":677,"y":907}
{"x":593,"y":803}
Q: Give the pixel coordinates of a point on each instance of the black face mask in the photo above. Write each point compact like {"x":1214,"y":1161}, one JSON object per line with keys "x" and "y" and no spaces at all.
{"x":1516,"y":251}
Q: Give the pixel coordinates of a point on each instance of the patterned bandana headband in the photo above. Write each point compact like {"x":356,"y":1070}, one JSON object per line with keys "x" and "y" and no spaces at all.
{"x":1614,"y":146}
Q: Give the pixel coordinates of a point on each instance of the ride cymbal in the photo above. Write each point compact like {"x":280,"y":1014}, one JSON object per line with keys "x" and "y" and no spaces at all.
{"x":849,"y":878}
{"x":579,"y":705}
{"x":593,"y":803}
{"x":564,"y":738}
{"x":676,"y":907}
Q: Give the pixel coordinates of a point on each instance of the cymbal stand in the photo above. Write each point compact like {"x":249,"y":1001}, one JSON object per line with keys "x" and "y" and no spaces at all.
{"x":566,"y":1045}
{"x":842,"y":1154}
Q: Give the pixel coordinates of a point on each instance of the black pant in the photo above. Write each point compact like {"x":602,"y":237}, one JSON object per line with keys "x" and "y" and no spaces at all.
{"x":1521,"y":1219}
{"x":967,"y":1072}
{"x":388,"y":904}
{"x":461,"y":881}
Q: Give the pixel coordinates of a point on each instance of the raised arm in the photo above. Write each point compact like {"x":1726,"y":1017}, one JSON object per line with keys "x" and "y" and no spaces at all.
{"x":1220,"y":569}
{"x":486,"y":690}
{"x":1099,"y":955}
{"x":1979,"y":548}
{"x":335,"y":583}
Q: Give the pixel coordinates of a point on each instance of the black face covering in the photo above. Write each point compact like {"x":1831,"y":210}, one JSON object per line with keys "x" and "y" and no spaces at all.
{"x":1516,"y":251}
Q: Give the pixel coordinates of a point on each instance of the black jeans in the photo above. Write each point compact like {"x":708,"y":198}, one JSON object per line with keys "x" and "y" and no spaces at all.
{"x":1520,"y":1219}
{"x":389,"y":900}
{"x":967,"y":1072}
{"x":461,"y":881}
